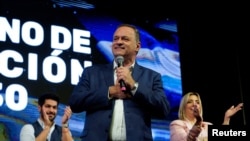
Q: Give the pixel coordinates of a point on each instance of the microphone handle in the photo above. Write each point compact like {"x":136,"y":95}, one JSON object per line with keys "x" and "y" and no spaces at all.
{"x":122,"y":85}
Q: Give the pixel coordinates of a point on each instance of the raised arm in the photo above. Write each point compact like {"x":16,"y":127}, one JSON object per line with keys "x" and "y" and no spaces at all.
{"x":66,"y":134}
{"x":230,"y":112}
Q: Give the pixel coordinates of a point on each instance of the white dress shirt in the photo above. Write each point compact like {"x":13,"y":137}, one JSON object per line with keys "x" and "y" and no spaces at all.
{"x":118,"y":126}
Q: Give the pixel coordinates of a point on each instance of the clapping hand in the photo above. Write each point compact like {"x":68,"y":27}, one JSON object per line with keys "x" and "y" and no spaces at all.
{"x":66,"y":115}
{"x":47,"y":121}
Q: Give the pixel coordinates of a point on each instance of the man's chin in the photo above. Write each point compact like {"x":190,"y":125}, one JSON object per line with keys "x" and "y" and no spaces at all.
{"x":51,"y":118}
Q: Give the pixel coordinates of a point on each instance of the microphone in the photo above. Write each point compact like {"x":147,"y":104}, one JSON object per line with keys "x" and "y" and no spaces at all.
{"x":119,"y":60}
{"x":197,"y":116}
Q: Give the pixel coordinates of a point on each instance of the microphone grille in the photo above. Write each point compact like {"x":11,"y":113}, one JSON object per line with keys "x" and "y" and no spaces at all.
{"x":119,"y":59}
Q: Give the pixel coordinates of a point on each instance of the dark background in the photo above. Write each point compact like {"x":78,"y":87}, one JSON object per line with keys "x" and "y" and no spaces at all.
{"x":214,"y":59}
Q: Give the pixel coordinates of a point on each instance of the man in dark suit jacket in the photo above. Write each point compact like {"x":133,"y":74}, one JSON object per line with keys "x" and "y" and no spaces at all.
{"x":114,"y":114}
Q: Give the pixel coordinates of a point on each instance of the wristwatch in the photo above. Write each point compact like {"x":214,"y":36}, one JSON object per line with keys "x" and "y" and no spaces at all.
{"x":65,"y":125}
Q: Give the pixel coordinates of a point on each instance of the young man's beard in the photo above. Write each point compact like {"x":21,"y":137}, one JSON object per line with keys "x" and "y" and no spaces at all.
{"x":50,"y":118}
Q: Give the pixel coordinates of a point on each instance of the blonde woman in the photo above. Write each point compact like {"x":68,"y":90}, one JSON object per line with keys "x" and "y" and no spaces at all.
{"x":190,"y":125}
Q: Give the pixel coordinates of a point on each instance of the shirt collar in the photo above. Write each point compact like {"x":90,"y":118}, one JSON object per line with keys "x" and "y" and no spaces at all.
{"x":115,"y":65}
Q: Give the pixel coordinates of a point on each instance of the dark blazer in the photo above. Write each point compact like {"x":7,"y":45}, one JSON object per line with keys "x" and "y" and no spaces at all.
{"x":91,"y":95}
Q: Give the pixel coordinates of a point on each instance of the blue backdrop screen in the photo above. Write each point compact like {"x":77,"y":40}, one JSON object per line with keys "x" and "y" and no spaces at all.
{"x":45,"y":46}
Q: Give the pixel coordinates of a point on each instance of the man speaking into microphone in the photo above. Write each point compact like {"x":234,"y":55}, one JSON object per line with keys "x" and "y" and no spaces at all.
{"x":120,"y":98}
{"x":119,"y":60}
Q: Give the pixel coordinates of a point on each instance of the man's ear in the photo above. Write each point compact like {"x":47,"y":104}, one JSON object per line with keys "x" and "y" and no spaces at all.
{"x":138,"y":47}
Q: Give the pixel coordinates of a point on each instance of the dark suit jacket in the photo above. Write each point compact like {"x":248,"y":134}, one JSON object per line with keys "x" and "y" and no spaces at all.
{"x":91,"y":95}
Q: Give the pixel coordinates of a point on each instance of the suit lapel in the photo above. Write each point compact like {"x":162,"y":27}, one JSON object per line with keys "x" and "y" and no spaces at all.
{"x":108,"y":74}
{"x":136,"y":72}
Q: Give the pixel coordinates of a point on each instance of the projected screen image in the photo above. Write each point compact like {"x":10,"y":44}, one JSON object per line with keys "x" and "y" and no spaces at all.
{"x":46,"y":47}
